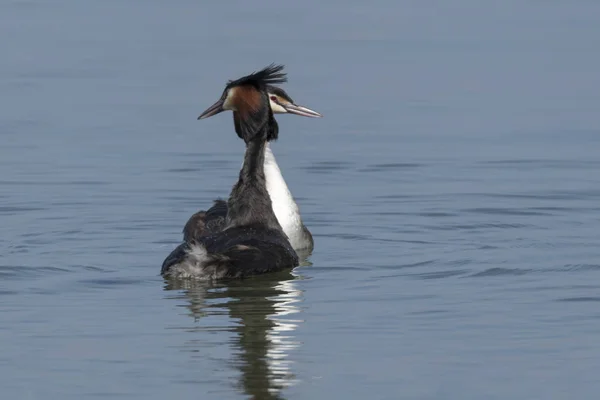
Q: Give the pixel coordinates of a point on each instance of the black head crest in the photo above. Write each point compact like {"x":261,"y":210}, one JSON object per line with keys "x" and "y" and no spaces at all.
{"x":270,"y":75}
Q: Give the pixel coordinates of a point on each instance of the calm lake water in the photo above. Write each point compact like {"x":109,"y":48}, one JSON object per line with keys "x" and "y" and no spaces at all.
{"x":453,"y":190}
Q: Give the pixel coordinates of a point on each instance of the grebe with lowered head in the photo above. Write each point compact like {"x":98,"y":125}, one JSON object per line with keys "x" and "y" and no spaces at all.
{"x":252,"y":241}
{"x":285,"y":208}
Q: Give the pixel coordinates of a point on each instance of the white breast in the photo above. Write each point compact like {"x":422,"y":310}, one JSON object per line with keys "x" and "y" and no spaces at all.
{"x":285,"y":208}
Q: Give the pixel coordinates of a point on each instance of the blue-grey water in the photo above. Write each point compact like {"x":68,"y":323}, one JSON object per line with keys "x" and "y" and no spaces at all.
{"x":452,"y":188}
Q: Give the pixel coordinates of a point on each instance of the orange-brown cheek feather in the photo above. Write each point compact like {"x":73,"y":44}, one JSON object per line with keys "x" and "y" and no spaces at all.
{"x":247,"y":100}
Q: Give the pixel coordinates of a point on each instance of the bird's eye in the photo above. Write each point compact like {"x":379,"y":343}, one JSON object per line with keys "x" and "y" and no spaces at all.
{"x":273,"y":98}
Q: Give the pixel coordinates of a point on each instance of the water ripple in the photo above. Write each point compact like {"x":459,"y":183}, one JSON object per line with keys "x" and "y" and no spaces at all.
{"x":11,"y":210}
{"x":389,"y":167}
{"x":327,"y":167}
{"x":440,"y":274}
{"x":14,"y":271}
{"x":502,"y":211}
{"x":109,"y":282}
{"x":579,"y":299}
{"x":499,"y":271}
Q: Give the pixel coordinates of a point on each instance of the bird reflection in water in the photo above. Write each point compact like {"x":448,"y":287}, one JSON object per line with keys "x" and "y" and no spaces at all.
{"x":262,"y":310}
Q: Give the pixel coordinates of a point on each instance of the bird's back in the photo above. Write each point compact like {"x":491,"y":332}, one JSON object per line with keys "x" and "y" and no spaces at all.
{"x":233,"y":253}
{"x":206,"y":223}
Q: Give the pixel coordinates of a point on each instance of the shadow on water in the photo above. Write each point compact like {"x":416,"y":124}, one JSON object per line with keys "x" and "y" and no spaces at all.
{"x":261,"y":309}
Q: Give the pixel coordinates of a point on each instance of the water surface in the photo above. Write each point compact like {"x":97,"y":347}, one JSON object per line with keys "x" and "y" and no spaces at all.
{"x":452,"y":189}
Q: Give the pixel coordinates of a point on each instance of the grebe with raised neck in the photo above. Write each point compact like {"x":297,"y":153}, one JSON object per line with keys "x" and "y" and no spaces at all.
{"x":284,"y":206}
{"x":252,"y":241}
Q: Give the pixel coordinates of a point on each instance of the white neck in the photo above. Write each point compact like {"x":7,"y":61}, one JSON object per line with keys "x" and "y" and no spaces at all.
{"x":285,"y":208}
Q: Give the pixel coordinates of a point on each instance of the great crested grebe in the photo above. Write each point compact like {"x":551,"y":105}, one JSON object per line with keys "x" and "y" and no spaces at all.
{"x":285,"y":208}
{"x":252,"y":241}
